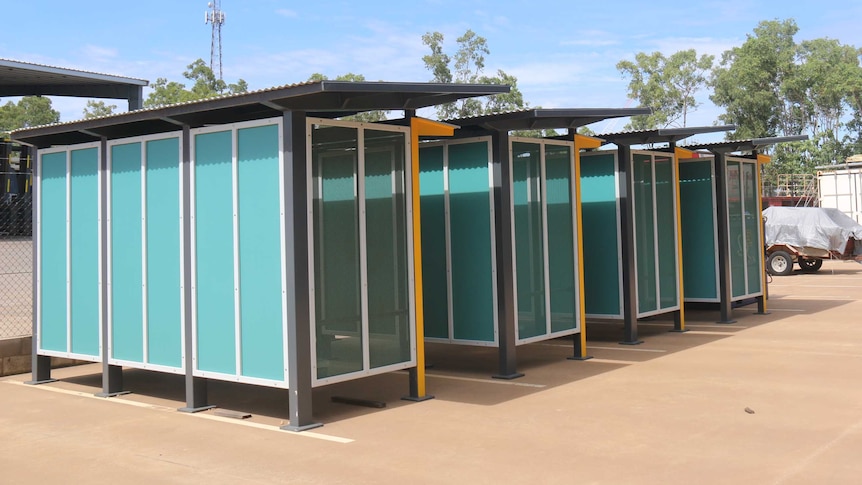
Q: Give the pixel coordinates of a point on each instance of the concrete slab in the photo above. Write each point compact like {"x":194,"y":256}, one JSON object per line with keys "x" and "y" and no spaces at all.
{"x":669,"y":411}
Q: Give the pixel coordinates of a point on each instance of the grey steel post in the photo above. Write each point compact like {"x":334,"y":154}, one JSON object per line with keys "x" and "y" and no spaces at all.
{"x":725,"y":292}
{"x":628,"y":249}
{"x":196,"y":387}
{"x":41,"y":364}
{"x":296,"y":228}
{"x":503,"y":227}
{"x":112,"y":375}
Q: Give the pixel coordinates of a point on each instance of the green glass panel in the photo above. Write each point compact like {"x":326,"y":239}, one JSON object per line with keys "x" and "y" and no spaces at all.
{"x":529,"y":240}
{"x":754,"y":253}
{"x":52,"y":267}
{"x":561,"y":237}
{"x":260,"y":255}
{"x":216,"y":322}
{"x":644,"y":227}
{"x":84,"y":238}
{"x":386,"y":242}
{"x":433,"y":213}
{"x":164,"y":307}
{"x":699,"y":260}
{"x":665,"y":216}
{"x":470,"y":237}
{"x":601,"y":234}
{"x":736,"y":229}
{"x":127,"y":303}
{"x":335,"y":213}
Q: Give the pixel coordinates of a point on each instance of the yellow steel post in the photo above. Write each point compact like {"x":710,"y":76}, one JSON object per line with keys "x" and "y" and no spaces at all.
{"x":420,"y":127}
{"x":679,"y":154}
{"x":761,"y":159}
{"x":581,"y":143}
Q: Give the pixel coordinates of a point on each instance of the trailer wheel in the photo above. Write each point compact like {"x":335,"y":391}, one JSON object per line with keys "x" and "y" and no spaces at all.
{"x":779,"y":263}
{"x":810,"y":265}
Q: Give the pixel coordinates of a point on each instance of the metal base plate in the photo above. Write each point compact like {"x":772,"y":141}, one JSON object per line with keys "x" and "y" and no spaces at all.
{"x":725,"y":322}
{"x":426,"y":397}
{"x":36,"y":383}
{"x":633,"y":342}
{"x":508,"y":377}
{"x":299,"y":429}
{"x":111,"y":394}
{"x":678,"y":330}
{"x":586,"y":357}
{"x":195,"y":410}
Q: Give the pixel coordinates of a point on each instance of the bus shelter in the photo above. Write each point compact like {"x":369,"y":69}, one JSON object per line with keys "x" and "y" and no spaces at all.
{"x":249,"y":238}
{"x":501,"y":232}
{"x":630,"y":206}
{"x":722,"y":223}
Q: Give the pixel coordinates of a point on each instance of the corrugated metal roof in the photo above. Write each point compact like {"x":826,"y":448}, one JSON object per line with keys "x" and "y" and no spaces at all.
{"x":14,"y":72}
{"x":749,"y":144}
{"x":660,"y":135}
{"x":546,"y":118}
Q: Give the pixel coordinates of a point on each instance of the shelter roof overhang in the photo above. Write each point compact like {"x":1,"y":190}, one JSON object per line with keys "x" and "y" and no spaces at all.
{"x":330,"y":99}
{"x":661,"y":135}
{"x":542,"y":119}
{"x":27,"y":79}
{"x":748,"y":145}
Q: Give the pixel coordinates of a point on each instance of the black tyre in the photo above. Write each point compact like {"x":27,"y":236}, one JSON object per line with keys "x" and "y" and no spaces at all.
{"x":810,"y":265}
{"x":779,"y":263}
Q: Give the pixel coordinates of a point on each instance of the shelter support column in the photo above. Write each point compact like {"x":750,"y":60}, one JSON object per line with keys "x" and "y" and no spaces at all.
{"x":580,"y":340}
{"x":296,"y":224}
{"x":761,"y":300}
{"x":629,"y":269}
{"x":679,"y":316}
{"x":724,"y":283}
{"x":196,"y":387}
{"x":503,"y":226}
{"x":41,"y":364}
{"x":112,"y":375}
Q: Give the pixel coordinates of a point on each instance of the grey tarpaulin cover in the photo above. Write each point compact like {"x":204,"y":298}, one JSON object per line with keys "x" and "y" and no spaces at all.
{"x":814,"y":227}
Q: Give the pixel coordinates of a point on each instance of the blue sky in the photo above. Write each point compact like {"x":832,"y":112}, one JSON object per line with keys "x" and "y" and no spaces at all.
{"x":563,"y":53}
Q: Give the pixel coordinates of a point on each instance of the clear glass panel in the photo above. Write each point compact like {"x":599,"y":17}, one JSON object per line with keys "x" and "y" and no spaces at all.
{"x":529,"y":247}
{"x":386,"y":223}
{"x":561,"y":237}
{"x":644,"y":227}
{"x":736,"y":230}
{"x":665,"y":193}
{"x":754,"y":253}
{"x":335,"y":212}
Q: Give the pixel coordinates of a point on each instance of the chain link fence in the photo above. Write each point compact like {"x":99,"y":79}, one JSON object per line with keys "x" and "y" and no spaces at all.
{"x":16,"y":265}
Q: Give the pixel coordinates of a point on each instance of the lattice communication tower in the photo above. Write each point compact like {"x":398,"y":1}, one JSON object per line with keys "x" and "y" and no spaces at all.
{"x":215,"y":16}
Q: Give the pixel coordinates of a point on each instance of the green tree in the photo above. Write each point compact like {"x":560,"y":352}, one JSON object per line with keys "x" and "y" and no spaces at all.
{"x":204,"y":85}
{"x":667,"y":85}
{"x":28,"y":111}
{"x":97,"y":109}
{"x":467,"y":66}
{"x":366,"y":116}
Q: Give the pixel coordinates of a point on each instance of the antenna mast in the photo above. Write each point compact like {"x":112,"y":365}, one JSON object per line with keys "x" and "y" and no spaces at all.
{"x":215,"y":16}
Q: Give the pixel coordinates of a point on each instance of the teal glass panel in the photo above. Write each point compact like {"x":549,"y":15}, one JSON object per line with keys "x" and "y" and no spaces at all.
{"x":699,"y":260}
{"x":561,"y":237}
{"x":52,"y":267}
{"x":337,"y":277}
{"x":260,"y":254}
{"x":529,"y":239}
{"x":84,"y":237}
{"x":433,"y":213}
{"x":736,"y":231}
{"x":216,"y":324}
{"x":754,"y":253}
{"x":470,"y":237}
{"x":644,"y":227}
{"x":127,"y":301}
{"x":600,"y":219}
{"x":164,"y":313}
{"x":386,"y":248}
{"x":666,"y":220}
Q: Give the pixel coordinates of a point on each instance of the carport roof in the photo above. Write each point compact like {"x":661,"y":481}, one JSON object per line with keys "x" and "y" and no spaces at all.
{"x":26,"y":79}
{"x":748,"y":145}
{"x":320,"y":98}
{"x":540,"y":119}
{"x":661,"y":135}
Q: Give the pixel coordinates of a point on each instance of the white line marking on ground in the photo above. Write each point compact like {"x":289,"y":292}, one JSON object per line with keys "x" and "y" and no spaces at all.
{"x":706,"y":332}
{"x":815,"y":297}
{"x":249,"y":424}
{"x":485,"y":381}
{"x":621,"y":347}
{"x":802,"y":464}
{"x":785,"y":310}
{"x":610,"y":361}
{"x":713,"y":326}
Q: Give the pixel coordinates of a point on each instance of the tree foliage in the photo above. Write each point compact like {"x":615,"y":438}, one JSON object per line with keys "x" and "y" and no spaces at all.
{"x":28,"y":111}
{"x":467,"y":65}
{"x":667,"y":85}
{"x":205,"y":85}
{"x":366,"y":116}
{"x":97,"y":109}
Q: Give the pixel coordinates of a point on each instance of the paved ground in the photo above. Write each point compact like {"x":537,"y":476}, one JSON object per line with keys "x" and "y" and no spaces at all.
{"x":672,"y":410}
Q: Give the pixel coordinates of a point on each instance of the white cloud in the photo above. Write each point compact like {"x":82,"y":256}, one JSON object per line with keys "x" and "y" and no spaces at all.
{"x":284,"y":12}
{"x":99,"y":52}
